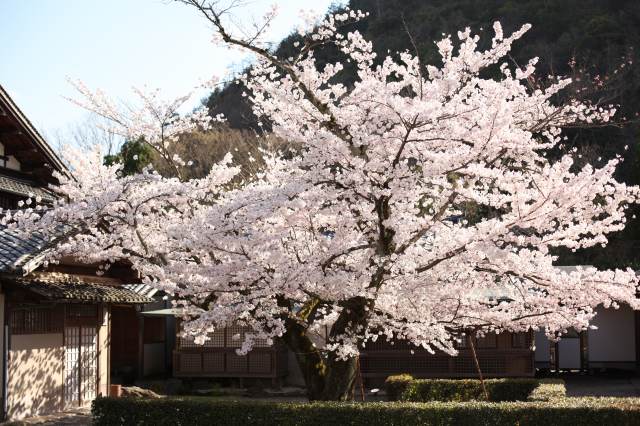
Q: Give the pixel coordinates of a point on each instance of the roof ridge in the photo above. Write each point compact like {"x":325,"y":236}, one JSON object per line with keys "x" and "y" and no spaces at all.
{"x":39,"y":141}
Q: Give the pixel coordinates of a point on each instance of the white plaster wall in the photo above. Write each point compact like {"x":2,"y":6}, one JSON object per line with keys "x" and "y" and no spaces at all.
{"x":542,"y":347}
{"x":615,"y":339}
{"x":569,"y":353}
{"x":36,"y":363}
{"x":12,"y":163}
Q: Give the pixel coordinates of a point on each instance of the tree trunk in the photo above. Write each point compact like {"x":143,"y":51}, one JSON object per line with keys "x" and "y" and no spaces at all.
{"x":309,"y":359}
{"x":340,"y":381}
{"x":341,"y":374}
{"x":327,"y":378}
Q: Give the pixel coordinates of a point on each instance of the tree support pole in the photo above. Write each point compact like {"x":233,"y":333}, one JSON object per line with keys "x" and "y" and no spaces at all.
{"x":475,"y":359}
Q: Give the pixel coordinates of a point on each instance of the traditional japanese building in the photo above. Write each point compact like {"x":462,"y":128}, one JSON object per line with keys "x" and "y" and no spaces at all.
{"x":56,"y":320}
{"x":612,"y":344}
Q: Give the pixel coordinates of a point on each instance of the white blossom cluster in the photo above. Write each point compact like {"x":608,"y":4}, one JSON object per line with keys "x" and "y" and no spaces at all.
{"x":366,"y":231}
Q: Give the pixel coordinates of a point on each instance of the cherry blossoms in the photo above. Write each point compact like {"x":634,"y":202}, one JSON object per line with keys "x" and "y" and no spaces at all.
{"x":365,"y":232}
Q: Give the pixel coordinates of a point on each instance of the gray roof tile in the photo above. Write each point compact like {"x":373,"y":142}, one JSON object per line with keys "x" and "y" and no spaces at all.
{"x":60,"y":286}
{"x":24,"y":188}
{"x":17,"y":249}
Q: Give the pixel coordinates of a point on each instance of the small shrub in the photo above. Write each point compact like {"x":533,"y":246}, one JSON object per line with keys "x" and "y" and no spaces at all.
{"x":396,"y":385}
{"x":423,"y":390}
{"x":510,"y":389}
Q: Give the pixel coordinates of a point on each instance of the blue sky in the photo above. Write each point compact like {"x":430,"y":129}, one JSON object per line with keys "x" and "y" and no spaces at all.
{"x":113,"y":45}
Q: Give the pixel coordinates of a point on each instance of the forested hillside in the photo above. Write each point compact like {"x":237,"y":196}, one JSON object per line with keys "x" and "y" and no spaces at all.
{"x":598,"y":34}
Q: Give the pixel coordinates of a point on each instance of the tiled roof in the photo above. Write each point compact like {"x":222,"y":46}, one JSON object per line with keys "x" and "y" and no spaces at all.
{"x":23,"y":252}
{"x":17,"y":250}
{"x":142,"y":289}
{"x":59,"y":286}
{"x":24,"y":188}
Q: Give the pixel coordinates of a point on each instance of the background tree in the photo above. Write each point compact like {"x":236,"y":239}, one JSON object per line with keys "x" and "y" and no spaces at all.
{"x":133,"y":157}
{"x":207,"y":148}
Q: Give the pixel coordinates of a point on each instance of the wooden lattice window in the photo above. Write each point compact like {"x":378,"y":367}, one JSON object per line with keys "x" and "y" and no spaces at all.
{"x":519,"y":340}
{"x":35,"y":320}
{"x":9,"y":201}
{"x":216,"y":340}
{"x":82,"y":311}
{"x":260,"y":363}
{"x":190,"y":363}
{"x":489,"y":341}
{"x":235,"y":336}
{"x":229,"y":337}
{"x":213,"y":362}
{"x":236,"y":363}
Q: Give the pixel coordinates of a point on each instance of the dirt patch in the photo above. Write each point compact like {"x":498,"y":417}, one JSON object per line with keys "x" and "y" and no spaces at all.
{"x":75,"y":417}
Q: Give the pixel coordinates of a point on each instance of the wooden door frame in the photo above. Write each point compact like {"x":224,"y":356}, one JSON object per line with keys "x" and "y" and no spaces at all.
{"x":80,"y":323}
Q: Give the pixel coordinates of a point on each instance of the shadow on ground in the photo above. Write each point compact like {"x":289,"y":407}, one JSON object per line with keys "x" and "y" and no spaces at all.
{"x":75,"y":417}
{"x":617,"y":386}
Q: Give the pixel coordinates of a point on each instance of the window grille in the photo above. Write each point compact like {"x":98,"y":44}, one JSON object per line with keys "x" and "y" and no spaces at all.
{"x":519,"y":340}
{"x":230,"y":337}
{"x":489,"y":341}
{"x":36,"y":320}
{"x":216,"y":340}
{"x":82,"y":311}
{"x":8,"y":201}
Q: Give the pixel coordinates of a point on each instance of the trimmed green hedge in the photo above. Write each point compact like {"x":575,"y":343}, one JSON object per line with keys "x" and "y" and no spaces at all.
{"x":549,"y":390}
{"x":205,"y":411}
{"x":404,"y":388}
{"x":396,"y":385}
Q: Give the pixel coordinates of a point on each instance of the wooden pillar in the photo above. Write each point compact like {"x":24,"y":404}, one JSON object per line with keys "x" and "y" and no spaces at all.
{"x":530,"y":344}
{"x":584,"y":351}
{"x":168,"y":350}
{"x":140,"y":346}
{"x":636,"y":315}
{"x":109,"y":352}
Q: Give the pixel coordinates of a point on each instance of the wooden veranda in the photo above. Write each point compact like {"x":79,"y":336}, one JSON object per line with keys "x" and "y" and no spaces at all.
{"x":218,"y":357}
{"x":502,"y":355}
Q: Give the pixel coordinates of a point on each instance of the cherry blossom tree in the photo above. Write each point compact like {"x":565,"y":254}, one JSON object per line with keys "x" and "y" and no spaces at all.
{"x":365,"y":233}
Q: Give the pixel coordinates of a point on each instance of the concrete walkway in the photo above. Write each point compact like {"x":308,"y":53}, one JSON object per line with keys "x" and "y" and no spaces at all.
{"x":77,"y":417}
{"x":618,"y":386}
